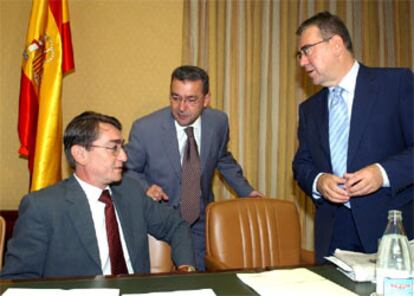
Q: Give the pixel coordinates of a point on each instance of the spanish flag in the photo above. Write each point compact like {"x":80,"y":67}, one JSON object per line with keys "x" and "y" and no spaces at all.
{"x":47,"y":57}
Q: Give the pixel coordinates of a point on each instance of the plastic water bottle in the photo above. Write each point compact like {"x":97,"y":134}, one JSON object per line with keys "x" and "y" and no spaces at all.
{"x":394,"y":270}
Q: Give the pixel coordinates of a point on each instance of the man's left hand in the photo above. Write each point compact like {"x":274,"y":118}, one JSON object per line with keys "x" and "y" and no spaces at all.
{"x":255,"y":193}
{"x":363,"y":182}
{"x":186,"y":268}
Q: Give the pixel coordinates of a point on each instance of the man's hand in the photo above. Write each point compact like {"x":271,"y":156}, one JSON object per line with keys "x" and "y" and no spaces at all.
{"x":365,"y":181}
{"x":329,"y":186}
{"x":156,"y":193}
{"x":186,"y":268}
{"x":255,"y":193}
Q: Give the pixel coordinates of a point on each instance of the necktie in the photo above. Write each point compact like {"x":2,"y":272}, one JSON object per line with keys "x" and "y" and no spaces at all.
{"x":190,"y":180}
{"x":338,"y":131}
{"x":116,"y":255}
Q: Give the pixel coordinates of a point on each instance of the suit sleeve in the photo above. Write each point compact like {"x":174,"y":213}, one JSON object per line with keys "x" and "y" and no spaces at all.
{"x":165,"y":224}
{"x":400,"y":167}
{"x":230,"y":169}
{"x":26,"y":250}
{"x":136,"y":156}
{"x":304,"y":169}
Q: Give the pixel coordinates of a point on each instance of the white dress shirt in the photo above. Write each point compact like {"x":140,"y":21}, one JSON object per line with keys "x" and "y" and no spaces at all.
{"x":98,"y":216}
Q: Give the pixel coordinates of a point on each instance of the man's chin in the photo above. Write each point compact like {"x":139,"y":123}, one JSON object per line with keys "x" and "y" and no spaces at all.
{"x":117,"y":177}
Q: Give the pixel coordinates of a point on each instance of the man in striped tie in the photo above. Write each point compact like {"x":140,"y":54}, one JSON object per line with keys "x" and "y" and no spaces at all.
{"x":355,"y":156}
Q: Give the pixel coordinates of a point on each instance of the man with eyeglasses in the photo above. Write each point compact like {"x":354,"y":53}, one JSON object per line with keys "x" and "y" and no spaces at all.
{"x":96,"y":221}
{"x":356,"y":135}
{"x":157,"y":143}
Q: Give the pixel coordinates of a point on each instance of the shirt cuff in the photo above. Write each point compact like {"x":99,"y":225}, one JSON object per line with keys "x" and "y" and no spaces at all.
{"x":315,"y":193}
{"x":386,"y":180}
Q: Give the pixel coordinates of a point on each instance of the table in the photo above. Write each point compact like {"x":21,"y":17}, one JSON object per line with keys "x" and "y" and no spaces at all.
{"x":223,"y":283}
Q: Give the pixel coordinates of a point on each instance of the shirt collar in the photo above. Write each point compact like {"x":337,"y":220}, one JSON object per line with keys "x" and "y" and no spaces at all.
{"x":348,"y":83}
{"x":92,"y":192}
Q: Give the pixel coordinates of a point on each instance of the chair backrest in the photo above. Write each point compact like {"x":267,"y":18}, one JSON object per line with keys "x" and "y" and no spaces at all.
{"x":160,"y":256}
{"x":2,"y":238}
{"x":252,"y":233}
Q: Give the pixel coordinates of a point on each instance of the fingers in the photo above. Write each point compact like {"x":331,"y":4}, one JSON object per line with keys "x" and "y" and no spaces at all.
{"x":364,"y":181}
{"x":255,"y":193}
{"x":331,"y":188}
{"x":156,"y":193}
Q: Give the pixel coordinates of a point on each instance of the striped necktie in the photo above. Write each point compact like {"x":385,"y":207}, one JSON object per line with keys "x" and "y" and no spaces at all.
{"x":338,"y":131}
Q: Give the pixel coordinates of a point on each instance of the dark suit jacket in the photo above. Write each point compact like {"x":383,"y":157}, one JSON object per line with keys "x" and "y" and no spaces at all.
{"x":381,"y":131}
{"x":154,"y":157}
{"x":54,"y":234}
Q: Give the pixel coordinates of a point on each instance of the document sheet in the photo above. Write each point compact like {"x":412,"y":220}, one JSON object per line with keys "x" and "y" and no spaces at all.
{"x":60,"y":292}
{"x":200,"y":292}
{"x":292,"y":282}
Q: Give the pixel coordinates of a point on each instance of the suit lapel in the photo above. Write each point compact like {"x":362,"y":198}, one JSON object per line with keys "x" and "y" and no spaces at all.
{"x":170,"y":143}
{"x":206,"y":140}
{"x":80,"y":215}
{"x":364,"y":98}
{"x":322,"y":121}
{"x":129,"y":228}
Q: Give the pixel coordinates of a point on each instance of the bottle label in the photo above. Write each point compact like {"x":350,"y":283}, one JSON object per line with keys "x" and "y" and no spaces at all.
{"x":398,"y":287}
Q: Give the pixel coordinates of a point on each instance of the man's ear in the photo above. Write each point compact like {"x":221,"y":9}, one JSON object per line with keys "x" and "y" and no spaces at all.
{"x":79,"y":154}
{"x":206,"y":99}
{"x":338,"y":43}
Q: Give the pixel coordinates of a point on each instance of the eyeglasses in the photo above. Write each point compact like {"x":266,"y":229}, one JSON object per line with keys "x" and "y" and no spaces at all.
{"x":307,"y":49}
{"x":191,"y":100}
{"x":116,"y":150}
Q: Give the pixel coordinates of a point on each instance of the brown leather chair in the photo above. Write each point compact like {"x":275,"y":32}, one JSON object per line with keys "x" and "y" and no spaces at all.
{"x":160,"y":256}
{"x":2,"y":238}
{"x":253,"y":233}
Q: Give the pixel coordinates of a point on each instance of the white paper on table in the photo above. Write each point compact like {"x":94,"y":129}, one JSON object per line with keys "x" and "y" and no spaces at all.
{"x":292,"y":282}
{"x":60,"y":292}
{"x":200,"y":292}
{"x":359,"y":267}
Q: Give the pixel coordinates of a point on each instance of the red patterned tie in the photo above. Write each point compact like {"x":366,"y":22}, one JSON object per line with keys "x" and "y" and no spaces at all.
{"x":190,"y":180}
{"x":116,"y":255}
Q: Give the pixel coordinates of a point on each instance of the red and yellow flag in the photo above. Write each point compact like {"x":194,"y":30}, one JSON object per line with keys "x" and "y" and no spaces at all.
{"x":47,"y":57}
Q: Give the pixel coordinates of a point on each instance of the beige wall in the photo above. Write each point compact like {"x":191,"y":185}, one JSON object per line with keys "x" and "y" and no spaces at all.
{"x":124,"y":53}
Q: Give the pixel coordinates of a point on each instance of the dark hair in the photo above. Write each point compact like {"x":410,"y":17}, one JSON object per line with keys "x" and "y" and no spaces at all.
{"x":83,"y":130}
{"x":329,"y":25}
{"x":191,"y":73}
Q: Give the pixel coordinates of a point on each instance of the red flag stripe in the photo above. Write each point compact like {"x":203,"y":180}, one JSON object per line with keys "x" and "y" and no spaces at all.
{"x":28,"y":109}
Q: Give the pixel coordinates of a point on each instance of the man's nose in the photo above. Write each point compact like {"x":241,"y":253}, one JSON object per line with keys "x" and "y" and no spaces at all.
{"x":122,"y":155}
{"x":182,"y":105}
{"x":303,"y":60}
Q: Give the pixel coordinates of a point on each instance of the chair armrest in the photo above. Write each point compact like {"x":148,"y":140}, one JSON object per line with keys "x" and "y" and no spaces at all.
{"x":307,"y":257}
{"x":213,"y":264}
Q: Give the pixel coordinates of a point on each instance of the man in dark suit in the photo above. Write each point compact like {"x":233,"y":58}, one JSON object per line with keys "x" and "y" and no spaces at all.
{"x":157,"y":141}
{"x":352,"y":206}
{"x":62,"y":229}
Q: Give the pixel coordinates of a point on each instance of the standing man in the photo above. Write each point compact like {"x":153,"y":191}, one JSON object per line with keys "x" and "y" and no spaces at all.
{"x":159,"y":152}
{"x":356,"y":137}
{"x":95,"y":222}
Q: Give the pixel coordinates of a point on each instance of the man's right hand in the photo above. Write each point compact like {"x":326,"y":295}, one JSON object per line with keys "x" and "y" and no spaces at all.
{"x":331,"y":188}
{"x":156,"y":193}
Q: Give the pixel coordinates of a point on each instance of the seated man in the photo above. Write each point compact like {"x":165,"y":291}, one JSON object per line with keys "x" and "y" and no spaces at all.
{"x":95,"y":222}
